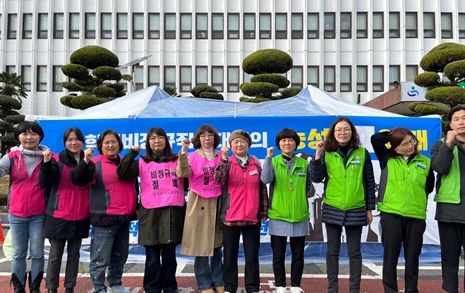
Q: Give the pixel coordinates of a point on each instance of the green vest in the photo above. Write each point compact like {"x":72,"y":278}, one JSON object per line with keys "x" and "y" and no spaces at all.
{"x":344,"y":188}
{"x":405,"y":192}
{"x":290,"y":202}
{"x":449,"y":191}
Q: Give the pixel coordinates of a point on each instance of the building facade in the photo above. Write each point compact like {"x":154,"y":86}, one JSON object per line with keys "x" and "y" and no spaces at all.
{"x":355,"y":49}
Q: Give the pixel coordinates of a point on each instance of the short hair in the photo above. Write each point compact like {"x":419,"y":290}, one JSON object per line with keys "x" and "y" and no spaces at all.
{"x":102,"y":137}
{"x":395,"y":138}
{"x":455,"y":109}
{"x":76,"y":131}
{"x":150,"y":155}
{"x":331,"y":144}
{"x":287,"y":133}
{"x":206,"y":128}
{"x":29,"y":125}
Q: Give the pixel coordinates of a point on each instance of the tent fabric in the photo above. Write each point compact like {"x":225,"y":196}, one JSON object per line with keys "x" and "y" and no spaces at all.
{"x":154,"y":102}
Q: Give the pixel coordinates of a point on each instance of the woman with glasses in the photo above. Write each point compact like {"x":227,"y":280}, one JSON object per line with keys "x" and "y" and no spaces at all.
{"x":406,"y":180}
{"x":345,"y":168}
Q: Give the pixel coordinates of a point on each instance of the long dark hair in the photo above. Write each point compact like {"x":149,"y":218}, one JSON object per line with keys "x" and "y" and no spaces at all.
{"x":150,"y":154}
{"x":331,"y":143}
{"x":396,"y":136}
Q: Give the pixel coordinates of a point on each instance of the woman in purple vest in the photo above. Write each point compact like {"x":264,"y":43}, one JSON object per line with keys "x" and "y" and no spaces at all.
{"x":202,"y":235}
{"x":161,"y":209}
{"x":67,"y":214}
{"x":26,"y":205}
{"x":112,"y":204}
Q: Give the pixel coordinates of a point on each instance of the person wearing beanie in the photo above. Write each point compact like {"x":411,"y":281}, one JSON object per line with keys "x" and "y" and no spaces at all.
{"x":244,"y":207}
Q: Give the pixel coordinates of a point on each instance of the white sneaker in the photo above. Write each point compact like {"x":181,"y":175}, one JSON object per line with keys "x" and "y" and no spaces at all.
{"x":118,"y":289}
{"x":281,"y":290}
{"x":296,"y":290}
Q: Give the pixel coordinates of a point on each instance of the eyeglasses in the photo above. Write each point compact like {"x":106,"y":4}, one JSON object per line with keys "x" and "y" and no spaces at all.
{"x":339,"y":130}
{"x":155,"y":137}
{"x":209,"y":135}
{"x":413,"y":142}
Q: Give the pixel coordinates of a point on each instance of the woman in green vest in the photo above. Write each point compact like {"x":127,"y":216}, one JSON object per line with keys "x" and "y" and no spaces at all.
{"x":290,"y":183}
{"x":405,"y":182}
{"x":345,"y":168}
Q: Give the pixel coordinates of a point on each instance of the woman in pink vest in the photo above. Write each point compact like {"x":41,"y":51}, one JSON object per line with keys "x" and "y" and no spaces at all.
{"x":67,"y":214}
{"x":202,"y":235}
{"x":161,"y":209}
{"x":244,"y":207}
{"x":26,"y":205}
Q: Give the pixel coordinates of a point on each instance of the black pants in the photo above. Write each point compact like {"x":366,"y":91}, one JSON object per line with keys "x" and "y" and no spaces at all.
{"x":57,"y":248}
{"x":397,"y":231}
{"x":160,"y":275}
{"x":278,"y":245}
{"x":251,"y":243}
{"x":452,"y":238}
{"x":354,"y":234}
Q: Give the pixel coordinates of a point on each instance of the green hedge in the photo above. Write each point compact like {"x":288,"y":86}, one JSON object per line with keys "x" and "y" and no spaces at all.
{"x":267,"y":61}
{"x":94,"y":56}
{"x":441,"y":55}
{"x":279,"y":80}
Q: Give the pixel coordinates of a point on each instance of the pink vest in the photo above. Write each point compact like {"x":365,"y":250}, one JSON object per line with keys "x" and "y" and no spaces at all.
{"x":160,"y":185}
{"x":202,"y":179}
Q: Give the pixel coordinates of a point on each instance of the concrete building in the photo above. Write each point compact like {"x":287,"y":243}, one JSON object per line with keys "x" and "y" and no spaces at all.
{"x":355,"y":48}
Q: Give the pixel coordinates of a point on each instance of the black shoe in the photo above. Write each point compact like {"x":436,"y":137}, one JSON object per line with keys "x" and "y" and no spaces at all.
{"x":17,"y":285}
{"x":69,"y":290}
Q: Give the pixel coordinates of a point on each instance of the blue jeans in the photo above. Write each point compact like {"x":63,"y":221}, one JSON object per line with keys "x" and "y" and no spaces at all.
{"x":109,"y":247}
{"x":27,"y":234}
{"x":209,"y":270}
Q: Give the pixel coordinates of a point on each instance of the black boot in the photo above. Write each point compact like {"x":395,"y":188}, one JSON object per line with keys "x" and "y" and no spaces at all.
{"x":19,"y":288}
{"x":34,"y":286}
{"x":69,"y":290}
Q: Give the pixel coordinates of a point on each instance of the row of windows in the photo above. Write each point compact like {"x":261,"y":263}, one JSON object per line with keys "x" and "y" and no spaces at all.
{"x":151,"y":25}
{"x":185,"y":77}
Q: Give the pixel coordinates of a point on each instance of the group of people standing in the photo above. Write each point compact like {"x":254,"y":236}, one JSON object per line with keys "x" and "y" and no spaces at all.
{"x":58,"y":196}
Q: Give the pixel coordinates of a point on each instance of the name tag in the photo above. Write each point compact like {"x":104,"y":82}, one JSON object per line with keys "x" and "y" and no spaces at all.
{"x":301,"y":175}
{"x":355,"y":162}
{"x":253,"y":172}
{"x":419,"y":165}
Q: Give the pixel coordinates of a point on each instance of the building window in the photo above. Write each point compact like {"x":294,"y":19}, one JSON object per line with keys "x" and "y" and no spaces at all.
{"x":362,"y":79}
{"x":27,"y":26}
{"x":122,"y":25}
{"x":249,"y":25}
{"x":73,"y":26}
{"x":105,"y":26}
{"x":346,"y":25}
{"x":429,"y":27}
{"x":313,"y":76}
{"x":138,"y":75}
{"x":378,"y":25}
{"x":201,"y":75}
{"x":297,"y":78}
{"x":233,"y":79}
{"x":138,"y":26}
{"x":265,"y":26}
{"x":394,"y":75}
{"x":170,"y":26}
{"x":330,"y":23}
{"x":411,"y":25}
{"x":42,"y":32}
{"x":411,"y":71}
{"x":154,"y":75}
{"x":378,"y":78}
{"x":41,"y":78}
{"x":313,"y":26}
{"x":394,"y":25}
{"x":90,"y":26}
{"x":362,"y":25}
{"x":329,"y":79}
{"x":154,"y":25}
{"x":297,"y":31}
{"x":12,"y":26}
{"x":246,"y":77}
{"x":346,"y":78}
{"x":281,"y":26}
{"x":233,"y":25}
{"x":170,"y":76}
{"x":201,"y":24}
{"x":58,"y":78}
{"x":186,"y":26}
{"x":217,"y":78}
{"x":26,"y":76}
{"x":10,"y":69}
{"x":186,"y":78}
{"x":217,"y":26}
{"x":461,"y":25}
{"x":446,"y":25}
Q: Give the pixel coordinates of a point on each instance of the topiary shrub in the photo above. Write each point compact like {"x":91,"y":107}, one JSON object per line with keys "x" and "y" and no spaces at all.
{"x":212,"y":96}
{"x":94,"y":56}
{"x":279,"y":80}
{"x":253,"y":100}
{"x":455,"y":71}
{"x":75,"y":71}
{"x":104,"y":91}
{"x":427,"y":79}
{"x":450,"y":95}
{"x":116,"y":86}
{"x":107,"y":73}
{"x":267,"y":61}
{"x":71,"y":86}
{"x":9,"y":102}
{"x":197,"y":90}
{"x":290,"y":92}
{"x":14,"y":119}
{"x":259,"y":89}
{"x":441,"y":55}
{"x":85,"y":101}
